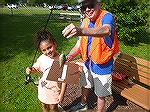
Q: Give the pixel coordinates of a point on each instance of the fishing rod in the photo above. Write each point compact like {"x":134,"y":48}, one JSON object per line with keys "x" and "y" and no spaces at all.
{"x":62,"y":57}
{"x":28,"y":78}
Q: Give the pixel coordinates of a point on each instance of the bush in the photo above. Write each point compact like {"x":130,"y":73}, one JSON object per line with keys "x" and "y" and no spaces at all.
{"x":131,"y":19}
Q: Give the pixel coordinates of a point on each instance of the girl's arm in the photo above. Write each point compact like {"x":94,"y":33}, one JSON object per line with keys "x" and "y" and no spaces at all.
{"x":62,"y":92}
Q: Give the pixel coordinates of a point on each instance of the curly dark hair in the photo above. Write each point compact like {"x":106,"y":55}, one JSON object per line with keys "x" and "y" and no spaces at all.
{"x":43,"y":35}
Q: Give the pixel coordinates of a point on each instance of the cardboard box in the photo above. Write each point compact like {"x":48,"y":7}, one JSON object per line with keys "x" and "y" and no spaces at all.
{"x":70,"y":72}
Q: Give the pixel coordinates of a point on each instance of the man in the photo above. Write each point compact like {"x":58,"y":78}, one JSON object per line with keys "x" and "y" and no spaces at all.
{"x":97,"y":45}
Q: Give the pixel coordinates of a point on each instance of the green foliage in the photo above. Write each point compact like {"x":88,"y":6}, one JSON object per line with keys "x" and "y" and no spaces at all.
{"x":11,"y":1}
{"x":72,"y":1}
{"x":2,"y":1}
{"x":131,"y":19}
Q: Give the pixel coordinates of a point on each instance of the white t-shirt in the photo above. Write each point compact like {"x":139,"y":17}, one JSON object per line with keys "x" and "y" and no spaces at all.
{"x":48,"y":91}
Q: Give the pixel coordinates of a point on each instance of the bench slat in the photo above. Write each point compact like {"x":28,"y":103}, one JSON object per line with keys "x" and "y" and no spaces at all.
{"x":138,"y":95}
{"x":135,"y":60}
{"x":134,"y":66}
{"x":122,"y":84}
{"x":134,"y":93}
{"x":139,"y":75}
{"x":142,"y":62}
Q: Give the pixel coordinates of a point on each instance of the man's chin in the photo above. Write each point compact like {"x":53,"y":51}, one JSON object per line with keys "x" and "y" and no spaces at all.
{"x":90,"y":17}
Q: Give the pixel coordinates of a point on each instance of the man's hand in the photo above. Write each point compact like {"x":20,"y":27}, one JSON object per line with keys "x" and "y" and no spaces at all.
{"x":71,"y":30}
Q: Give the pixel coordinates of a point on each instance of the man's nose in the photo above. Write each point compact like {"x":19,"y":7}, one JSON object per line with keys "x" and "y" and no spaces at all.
{"x":87,"y":9}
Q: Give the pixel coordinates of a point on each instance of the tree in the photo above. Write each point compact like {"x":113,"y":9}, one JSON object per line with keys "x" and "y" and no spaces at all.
{"x":2,"y":1}
{"x":131,"y":19}
{"x":71,"y":1}
{"x":11,"y":1}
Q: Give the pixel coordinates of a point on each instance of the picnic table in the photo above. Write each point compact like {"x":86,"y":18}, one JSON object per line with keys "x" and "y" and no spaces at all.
{"x":71,"y":16}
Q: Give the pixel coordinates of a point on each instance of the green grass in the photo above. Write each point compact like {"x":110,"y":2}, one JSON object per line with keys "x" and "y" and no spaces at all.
{"x":17,"y":50}
{"x":16,"y":53}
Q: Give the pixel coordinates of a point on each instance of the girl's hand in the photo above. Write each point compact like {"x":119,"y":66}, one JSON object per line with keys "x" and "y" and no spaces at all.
{"x":69,"y":57}
{"x":28,"y":70}
{"x":60,"y":98}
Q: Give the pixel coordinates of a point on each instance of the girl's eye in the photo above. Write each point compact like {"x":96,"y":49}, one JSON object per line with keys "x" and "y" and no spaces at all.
{"x":49,"y":47}
{"x":43,"y":50}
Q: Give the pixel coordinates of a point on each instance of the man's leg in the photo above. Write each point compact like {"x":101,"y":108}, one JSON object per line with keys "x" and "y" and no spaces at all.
{"x":102,"y":88}
{"x":100,"y":104}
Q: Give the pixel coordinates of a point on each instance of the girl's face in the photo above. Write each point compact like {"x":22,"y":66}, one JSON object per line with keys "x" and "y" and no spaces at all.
{"x":48,"y":48}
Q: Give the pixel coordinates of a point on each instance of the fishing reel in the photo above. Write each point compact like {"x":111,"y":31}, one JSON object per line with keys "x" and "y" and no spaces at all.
{"x":28,"y":79}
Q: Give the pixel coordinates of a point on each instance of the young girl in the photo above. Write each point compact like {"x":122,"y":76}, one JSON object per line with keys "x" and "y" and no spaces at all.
{"x":49,"y":92}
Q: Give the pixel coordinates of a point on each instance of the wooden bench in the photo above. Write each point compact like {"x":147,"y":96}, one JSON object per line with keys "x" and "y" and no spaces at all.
{"x":136,"y":87}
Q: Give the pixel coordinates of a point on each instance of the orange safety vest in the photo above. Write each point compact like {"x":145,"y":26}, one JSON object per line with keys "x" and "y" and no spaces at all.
{"x":100,"y":53}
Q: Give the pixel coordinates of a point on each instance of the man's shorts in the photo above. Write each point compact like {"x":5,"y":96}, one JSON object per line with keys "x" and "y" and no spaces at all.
{"x":101,"y":83}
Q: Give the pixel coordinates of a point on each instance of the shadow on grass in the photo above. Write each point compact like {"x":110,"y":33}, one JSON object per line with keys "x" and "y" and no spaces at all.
{"x":17,"y":33}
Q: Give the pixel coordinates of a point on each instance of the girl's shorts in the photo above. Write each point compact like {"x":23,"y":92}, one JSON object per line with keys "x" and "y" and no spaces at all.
{"x":101,"y":83}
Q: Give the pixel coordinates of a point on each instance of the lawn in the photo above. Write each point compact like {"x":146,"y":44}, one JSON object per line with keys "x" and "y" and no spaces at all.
{"x":17,"y":50}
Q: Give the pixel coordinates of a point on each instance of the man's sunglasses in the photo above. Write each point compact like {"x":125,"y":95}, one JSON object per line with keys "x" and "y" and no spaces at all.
{"x":89,"y":5}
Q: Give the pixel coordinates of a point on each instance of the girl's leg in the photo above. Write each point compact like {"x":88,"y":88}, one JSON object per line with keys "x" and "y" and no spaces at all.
{"x":54,"y":108}
{"x":45,"y":107}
